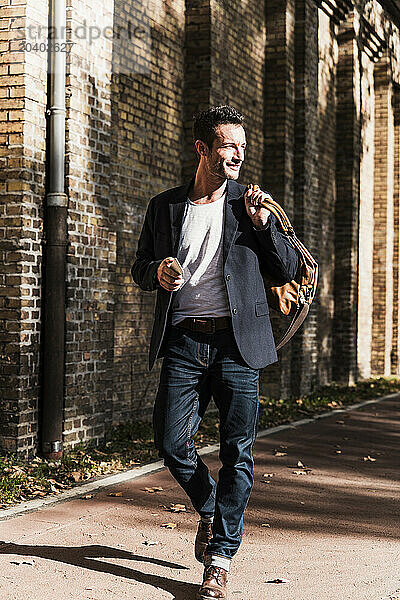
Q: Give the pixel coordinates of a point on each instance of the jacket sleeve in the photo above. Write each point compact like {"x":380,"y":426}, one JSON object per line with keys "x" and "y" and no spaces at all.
{"x":277,"y":255}
{"x":144,"y":269}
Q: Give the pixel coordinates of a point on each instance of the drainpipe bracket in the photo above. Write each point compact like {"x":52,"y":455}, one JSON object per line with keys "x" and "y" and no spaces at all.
{"x":52,"y":447}
{"x":57,"y":199}
{"x":55,"y":110}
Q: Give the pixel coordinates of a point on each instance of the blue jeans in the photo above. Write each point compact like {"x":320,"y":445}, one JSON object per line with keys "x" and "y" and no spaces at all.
{"x":196,"y":366}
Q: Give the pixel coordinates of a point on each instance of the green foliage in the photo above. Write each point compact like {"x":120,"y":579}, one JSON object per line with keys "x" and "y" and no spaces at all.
{"x":126,"y":446}
{"x":275,"y":412}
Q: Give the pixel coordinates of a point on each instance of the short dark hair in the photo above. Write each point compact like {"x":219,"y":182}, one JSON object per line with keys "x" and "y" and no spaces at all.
{"x":206,"y":121}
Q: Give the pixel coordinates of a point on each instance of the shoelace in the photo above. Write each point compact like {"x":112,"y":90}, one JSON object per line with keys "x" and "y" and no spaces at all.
{"x":216,"y":573}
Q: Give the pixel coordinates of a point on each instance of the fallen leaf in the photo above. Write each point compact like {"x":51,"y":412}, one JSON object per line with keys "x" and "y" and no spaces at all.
{"x":177,"y":508}
{"x":300,"y":472}
{"x":300,"y":464}
{"x":151,"y":490}
{"x":340,"y":422}
{"x":304,"y":469}
{"x":168,"y":525}
{"x":369,"y":458}
{"x":57,"y":483}
{"x":265,"y":525}
{"x":277,"y":453}
{"x":116,"y":494}
{"x":338,"y":451}
{"x":87,"y":497}
{"x":150,"y":543}
{"x":76,"y":476}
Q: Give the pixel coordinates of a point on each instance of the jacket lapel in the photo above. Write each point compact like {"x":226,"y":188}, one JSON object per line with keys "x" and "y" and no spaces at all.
{"x":233,"y":211}
{"x":176,"y":211}
{"x":234,"y":206}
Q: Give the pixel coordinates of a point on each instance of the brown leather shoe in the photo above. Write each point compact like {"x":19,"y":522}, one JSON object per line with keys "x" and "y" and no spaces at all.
{"x":203,"y":536}
{"x":214,"y":583}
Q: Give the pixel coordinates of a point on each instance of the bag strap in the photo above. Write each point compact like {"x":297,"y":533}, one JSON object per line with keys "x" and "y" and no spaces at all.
{"x":298,"y":318}
{"x":309,"y":278}
{"x":309,"y":266}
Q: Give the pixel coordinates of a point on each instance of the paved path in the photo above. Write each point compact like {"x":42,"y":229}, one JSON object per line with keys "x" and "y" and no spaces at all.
{"x":333,"y":532}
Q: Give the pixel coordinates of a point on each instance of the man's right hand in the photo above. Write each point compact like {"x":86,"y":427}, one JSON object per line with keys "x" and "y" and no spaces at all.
{"x":169,"y":279}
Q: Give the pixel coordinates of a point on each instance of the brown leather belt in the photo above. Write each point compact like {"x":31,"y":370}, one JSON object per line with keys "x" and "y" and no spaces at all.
{"x":205,"y":324}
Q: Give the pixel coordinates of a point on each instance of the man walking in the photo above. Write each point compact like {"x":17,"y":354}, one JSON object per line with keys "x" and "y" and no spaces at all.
{"x":212,"y":327}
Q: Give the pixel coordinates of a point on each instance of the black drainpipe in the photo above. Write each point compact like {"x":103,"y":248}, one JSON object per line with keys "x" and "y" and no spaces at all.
{"x":53,"y":331}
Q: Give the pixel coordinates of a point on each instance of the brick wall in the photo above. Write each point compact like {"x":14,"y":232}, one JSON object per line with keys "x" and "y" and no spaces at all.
{"x":327,"y":65}
{"x":278,"y":166}
{"x":383,"y":221}
{"x":91,"y":255}
{"x":306,"y":173}
{"x":11,"y":139}
{"x":22,"y":146}
{"x":197,"y":75}
{"x":395,"y":355}
{"x":319,"y":140}
{"x":237,"y":41}
{"x":347,"y":204}
{"x":147,"y":158}
{"x":128,"y":97}
{"x":366,"y":221}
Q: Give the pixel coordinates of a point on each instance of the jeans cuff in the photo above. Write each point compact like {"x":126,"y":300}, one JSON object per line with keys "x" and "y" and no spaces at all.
{"x":217,"y":561}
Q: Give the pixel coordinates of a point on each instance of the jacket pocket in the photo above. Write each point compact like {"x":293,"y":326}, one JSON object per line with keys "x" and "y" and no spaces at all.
{"x":261,"y":309}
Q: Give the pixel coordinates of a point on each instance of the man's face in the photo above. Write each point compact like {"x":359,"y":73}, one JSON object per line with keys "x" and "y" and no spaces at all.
{"x":227,"y":153}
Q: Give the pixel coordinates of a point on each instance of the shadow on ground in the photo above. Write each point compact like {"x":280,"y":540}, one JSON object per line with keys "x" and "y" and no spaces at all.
{"x":343,"y":494}
{"x":87,"y":557}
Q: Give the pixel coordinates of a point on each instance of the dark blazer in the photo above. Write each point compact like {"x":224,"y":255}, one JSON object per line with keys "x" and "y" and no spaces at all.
{"x":245,"y":251}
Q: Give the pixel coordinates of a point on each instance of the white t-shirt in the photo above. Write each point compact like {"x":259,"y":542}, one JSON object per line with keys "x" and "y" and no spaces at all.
{"x":203,"y":292}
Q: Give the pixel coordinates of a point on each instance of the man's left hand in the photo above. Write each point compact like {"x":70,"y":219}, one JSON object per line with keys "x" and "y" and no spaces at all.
{"x":258,"y":214}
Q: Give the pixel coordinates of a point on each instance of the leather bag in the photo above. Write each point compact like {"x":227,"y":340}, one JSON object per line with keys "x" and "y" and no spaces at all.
{"x":295,"y":297}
